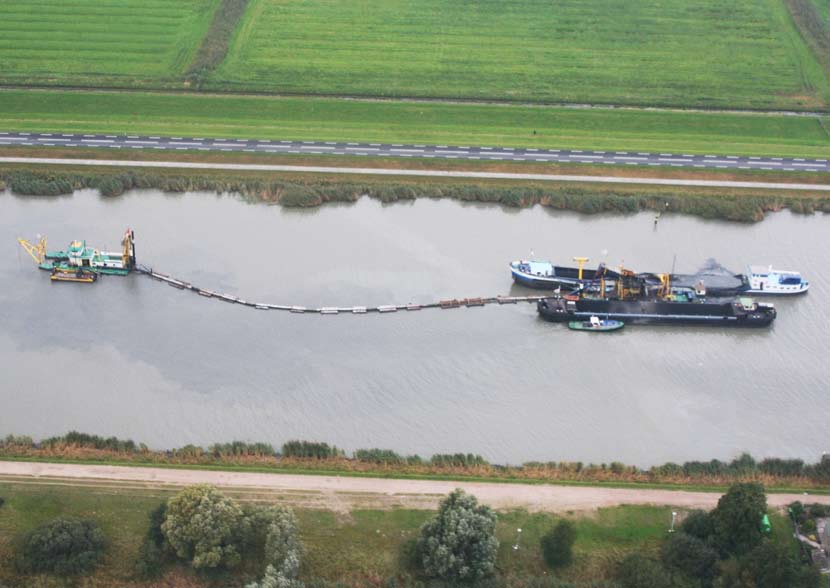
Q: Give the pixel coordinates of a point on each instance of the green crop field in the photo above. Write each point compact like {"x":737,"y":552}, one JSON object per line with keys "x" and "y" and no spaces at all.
{"x":742,"y":53}
{"x":100,"y":42}
{"x":407,"y":122}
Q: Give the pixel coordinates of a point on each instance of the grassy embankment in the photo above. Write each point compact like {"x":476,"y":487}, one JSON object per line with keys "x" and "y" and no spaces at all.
{"x":364,"y":547}
{"x":259,"y":117}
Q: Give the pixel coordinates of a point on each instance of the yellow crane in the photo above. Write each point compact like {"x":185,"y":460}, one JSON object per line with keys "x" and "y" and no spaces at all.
{"x":36,"y":251}
{"x":581,"y":261}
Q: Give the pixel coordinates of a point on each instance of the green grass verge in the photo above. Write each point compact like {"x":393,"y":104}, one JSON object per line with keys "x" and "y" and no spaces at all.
{"x":407,"y":122}
{"x":679,"y":52}
{"x":356,"y":547}
{"x":385,"y":474}
{"x":100,"y":42}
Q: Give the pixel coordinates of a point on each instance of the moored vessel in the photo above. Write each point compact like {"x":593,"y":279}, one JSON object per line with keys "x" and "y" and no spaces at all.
{"x":766,"y":280}
{"x":596,"y":325}
{"x":635,"y":301}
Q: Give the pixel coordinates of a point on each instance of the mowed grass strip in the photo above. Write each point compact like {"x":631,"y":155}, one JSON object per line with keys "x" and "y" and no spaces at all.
{"x":100,"y":42}
{"x":408,"y":122}
{"x":743,"y":53}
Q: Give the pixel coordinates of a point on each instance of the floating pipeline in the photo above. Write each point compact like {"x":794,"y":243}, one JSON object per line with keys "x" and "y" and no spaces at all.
{"x":330,"y":310}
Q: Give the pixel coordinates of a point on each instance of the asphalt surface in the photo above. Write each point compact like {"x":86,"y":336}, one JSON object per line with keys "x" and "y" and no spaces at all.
{"x":124,"y":142}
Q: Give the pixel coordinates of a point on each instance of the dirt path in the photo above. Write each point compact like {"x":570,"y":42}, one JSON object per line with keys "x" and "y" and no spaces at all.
{"x":346,"y":493}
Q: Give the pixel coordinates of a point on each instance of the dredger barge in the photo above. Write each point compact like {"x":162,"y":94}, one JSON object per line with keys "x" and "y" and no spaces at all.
{"x":81,"y":263}
{"x":633,"y":299}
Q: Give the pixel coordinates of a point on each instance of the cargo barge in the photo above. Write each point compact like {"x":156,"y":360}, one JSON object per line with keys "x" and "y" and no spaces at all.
{"x":634,"y":301}
{"x":758,"y":280}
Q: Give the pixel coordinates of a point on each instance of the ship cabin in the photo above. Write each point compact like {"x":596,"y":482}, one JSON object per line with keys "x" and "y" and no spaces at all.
{"x":79,"y":255}
{"x":771,"y":281}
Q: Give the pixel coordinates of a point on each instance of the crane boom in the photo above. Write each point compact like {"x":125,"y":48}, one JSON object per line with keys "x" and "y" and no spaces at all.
{"x":36,"y":251}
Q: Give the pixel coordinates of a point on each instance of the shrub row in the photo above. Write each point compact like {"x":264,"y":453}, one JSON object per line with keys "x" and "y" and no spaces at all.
{"x":744,"y":467}
{"x":316,"y":192}
{"x":215,"y":44}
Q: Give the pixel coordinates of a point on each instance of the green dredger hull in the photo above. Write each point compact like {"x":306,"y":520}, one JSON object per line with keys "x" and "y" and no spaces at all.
{"x":60,"y":266}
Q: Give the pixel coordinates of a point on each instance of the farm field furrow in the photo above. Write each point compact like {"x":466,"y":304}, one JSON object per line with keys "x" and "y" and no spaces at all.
{"x":745,"y":53}
{"x":322,"y":119}
{"x":100,"y":42}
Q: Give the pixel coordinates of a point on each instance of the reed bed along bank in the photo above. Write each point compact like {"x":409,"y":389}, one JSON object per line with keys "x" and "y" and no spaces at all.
{"x":315,"y":457}
{"x":314,"y":191}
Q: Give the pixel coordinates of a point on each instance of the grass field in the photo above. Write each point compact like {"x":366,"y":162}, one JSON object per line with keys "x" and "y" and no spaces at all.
{"x":408,"y":122}
{"x":100,"y":42}
{"x":358,"y":545}
{"x":745,"y":53}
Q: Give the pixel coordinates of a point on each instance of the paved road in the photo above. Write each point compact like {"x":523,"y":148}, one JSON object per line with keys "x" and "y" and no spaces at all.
{"x":377,"y":171}
{"x":349,"y":492}
{"x":123,"y":142}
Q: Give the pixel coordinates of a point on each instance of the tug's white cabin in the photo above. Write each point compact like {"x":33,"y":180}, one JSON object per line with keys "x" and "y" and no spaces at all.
{"x":766,"y":280}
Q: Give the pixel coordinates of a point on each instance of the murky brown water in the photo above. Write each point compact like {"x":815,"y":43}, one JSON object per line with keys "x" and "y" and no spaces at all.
{"x":134,"y":358}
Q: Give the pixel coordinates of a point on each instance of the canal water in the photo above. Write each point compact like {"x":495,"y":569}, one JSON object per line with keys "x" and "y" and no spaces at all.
{"x":135,"y":358}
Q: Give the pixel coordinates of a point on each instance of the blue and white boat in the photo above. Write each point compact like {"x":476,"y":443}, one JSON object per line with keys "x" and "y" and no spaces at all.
{"x":766,"y":280}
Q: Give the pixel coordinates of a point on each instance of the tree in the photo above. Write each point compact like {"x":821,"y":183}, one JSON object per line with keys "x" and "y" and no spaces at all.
{"x":557,"y":544}
{"x":203,"y":527}
{"x":736,"y":521}
{"x":460,"y":542}
{"x":63,"y":547}
{"x":691,"y":556}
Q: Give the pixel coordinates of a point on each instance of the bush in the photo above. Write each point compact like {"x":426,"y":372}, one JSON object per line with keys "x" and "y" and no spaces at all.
{"x":460,"y":543}
{"x":691,"y":556}
{"x":204,"y":527}
{"x":241,"y":448}
{"x":776,"y":566}
{"x":63,"y":547}
{"x":2,"y":501}
{"x":461,"y":460}
{"x":557,"y":544}
{"x":76,"y":439}
{"x":639,"y":571}
{"x":310,"y":449}
{"x":698,"y":523}
{"x":17,"y":441}
{"x":150,"y":560}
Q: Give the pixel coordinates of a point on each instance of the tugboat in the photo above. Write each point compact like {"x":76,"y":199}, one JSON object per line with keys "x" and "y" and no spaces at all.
{"x":766,"y":280}
{"x":596,"y":325}
{"x":635,"y":300}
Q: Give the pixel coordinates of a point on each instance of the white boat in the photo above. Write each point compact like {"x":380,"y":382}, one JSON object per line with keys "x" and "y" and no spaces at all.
{"x":766,"y":280}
